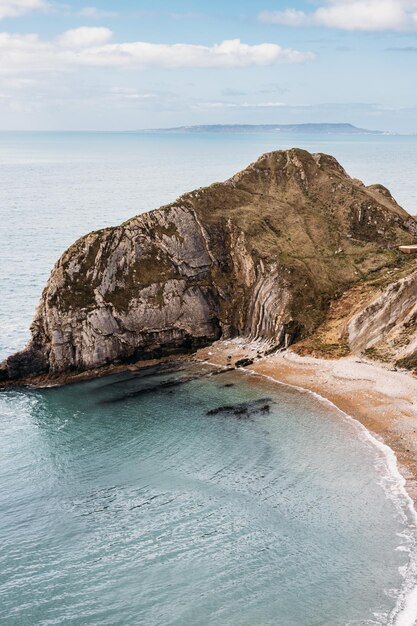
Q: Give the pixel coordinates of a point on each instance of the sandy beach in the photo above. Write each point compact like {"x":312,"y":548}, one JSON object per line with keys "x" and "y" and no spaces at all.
{"x":382,"y":399}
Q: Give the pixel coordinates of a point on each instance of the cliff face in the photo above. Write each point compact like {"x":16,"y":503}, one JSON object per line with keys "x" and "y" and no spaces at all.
{"x":386,"y":326}
{"x":259,"y":255}
{"x":377,"y":318}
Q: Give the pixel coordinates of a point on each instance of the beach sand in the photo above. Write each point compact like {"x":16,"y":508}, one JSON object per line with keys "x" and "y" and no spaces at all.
{"x":382,"y":399}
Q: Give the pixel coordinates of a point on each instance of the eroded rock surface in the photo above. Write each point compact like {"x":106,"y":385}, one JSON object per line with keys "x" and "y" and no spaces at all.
{"x":260,"y":255}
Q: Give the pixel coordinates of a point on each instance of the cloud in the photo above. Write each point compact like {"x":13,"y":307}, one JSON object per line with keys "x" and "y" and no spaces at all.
{"x":127,"y":93}
{"x":94,"y":13}
{"x":288,"y":17}
{"x":228,"y":91}
{"x":14,"y":8}
{"x":359,"y":15}
{"x":408,"y":49}
{"x":93,"y":47}
{"x":238,"y":105}
{"x":229,"y":53}
{"x":172,"y":15}
{"x":85,"y":37}
{"x":326,"y":108}
{"x":269,"y":88}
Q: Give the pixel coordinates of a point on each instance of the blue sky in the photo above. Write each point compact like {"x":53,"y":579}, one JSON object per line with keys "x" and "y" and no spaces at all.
{"x":121,"y":65}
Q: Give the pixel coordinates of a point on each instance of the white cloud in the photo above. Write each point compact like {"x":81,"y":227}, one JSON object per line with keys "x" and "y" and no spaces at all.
{"x":365,"y":15}
{"x":288,"y":17}
{"x":14,"y":8}
{"x":229,"y":53}
{"x":92,"y":47}
{"x":239,"y":105}
{"x":127,"y":93}
{"x":85,"y":37}
{"x":94,"y":13}
{"x":24,"y":53}
{"x":321,"y":107}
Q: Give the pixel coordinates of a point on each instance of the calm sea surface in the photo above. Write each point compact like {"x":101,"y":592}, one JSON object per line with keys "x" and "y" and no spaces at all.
{"x":122,"y":501}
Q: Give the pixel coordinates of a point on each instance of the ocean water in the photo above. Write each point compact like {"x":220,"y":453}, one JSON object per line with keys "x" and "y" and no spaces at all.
{"x":138,"y":499}
{"x":122,"y":501}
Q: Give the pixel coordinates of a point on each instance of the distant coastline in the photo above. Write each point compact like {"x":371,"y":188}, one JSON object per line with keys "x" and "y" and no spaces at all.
{"x":324,"y":129}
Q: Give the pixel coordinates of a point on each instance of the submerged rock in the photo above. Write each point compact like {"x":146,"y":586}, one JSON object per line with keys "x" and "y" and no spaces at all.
{"x":260,"y":255}
{"x":243,"y":409}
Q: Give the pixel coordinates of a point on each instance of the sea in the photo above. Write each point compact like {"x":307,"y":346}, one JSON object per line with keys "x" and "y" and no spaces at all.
{"x":178,"y":495}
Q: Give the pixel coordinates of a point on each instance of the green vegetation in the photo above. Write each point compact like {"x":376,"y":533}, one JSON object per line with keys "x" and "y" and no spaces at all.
{"x":299,"y":221}
{"x":146,"y":271}
{"x":409,"y":362}
{"x":376,"y":354}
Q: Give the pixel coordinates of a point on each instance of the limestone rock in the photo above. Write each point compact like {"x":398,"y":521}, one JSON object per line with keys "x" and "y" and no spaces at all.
{"x":387,"y":326}
{"x":260,"y":255}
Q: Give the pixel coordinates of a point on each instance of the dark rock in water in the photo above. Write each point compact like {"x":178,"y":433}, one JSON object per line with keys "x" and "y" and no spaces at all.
{"x":163,"y":386}
{"x":229,"y":385}
{"x":243,"y":409}
{"x":149,"y":372}
{"x":236,"y":409}
{"x":260,"y":255}
{"x":244,"y":362}
{"x":25,"y":363}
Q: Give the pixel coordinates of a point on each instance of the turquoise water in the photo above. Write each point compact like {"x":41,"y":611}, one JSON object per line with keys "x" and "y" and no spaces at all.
{"x":124,"y":502}
{"x":121,"y":500}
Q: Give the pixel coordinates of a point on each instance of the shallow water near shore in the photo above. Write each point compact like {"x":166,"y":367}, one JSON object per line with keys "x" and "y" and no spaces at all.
{"x":176,"y":495}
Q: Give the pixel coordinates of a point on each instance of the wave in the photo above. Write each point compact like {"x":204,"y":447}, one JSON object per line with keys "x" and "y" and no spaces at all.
{"x":394,"y":485}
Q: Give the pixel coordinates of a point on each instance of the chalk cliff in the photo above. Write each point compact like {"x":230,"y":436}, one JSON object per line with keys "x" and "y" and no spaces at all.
{"x":260,"y":255}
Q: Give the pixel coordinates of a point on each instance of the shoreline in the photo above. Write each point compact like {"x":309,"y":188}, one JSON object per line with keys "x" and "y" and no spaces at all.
{"x":380,"y":399}
{"x":383,"y":400}
{"x":380,"y":402}
{"x":46,"y":381}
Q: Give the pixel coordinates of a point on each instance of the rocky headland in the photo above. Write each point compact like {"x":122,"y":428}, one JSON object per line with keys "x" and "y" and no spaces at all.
{"x":289,"y":251}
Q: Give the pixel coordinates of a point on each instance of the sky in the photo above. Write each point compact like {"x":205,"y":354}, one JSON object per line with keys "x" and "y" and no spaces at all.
{"x":128,"y":65}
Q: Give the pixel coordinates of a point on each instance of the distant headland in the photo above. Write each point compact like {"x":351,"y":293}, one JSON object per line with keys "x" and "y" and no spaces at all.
{"x":325,"y":129}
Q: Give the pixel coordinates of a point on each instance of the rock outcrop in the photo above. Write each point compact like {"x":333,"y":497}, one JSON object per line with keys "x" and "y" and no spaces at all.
{"x":260,"y":255}
{"x":387,"y":325}
{"x":377,"y":319}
